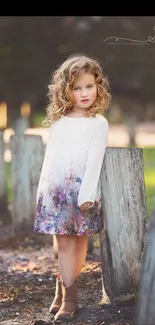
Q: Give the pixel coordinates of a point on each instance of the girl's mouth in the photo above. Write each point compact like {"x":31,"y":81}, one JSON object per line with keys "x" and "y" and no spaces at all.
{"x":84,"y":100}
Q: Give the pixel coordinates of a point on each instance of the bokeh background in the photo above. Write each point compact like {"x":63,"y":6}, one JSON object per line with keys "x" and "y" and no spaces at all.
{"x":32,"y":47}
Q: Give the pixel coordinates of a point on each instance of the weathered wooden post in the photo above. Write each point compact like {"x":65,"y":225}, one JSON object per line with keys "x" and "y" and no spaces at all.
{"x":5,"y":216}
{"x":145,"y":313}
{"x":124,"y":209}
{"x":21,"y":125}
{"x":27,"y":158}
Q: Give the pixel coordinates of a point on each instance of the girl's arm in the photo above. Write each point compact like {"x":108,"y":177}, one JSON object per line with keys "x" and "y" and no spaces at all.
{"x":98,"y":143}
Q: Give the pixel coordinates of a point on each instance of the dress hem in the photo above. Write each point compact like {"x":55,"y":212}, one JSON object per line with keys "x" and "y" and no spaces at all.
{"x":67,"y":234}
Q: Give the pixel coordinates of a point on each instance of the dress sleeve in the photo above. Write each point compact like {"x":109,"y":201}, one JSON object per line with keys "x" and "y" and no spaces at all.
{"x":98,"y":143}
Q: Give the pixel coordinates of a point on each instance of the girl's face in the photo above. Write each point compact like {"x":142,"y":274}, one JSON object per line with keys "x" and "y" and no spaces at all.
{"x":84,"y":90}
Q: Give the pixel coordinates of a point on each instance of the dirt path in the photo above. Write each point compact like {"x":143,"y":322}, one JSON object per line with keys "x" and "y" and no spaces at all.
{"x":27,"y":287}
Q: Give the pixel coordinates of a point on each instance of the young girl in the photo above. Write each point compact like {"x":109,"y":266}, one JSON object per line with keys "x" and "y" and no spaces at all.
{"x":69,"y":190}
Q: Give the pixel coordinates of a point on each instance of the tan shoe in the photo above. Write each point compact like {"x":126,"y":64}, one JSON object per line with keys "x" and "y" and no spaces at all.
{"x":69,"y":302}
{"x":56,"y":304}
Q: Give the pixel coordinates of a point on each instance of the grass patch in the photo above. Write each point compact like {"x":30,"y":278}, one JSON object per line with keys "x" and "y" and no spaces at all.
{"x":149,"y":176}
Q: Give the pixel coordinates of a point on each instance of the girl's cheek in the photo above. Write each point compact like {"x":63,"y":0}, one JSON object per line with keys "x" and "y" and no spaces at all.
{"x":76,"y":98}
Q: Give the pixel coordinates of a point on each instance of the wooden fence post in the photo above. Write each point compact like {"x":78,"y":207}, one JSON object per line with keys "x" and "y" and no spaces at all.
{"x":145,"y":312}
{"x":5,"y":216}
{"x":27,"y":158}
{"x":124,"y":208}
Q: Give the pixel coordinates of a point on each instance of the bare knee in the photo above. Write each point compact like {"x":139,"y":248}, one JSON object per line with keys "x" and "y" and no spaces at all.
{"x":65,"y":244}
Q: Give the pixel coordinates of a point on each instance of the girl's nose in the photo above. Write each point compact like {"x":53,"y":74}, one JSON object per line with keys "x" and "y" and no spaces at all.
{"x":84,"y":93}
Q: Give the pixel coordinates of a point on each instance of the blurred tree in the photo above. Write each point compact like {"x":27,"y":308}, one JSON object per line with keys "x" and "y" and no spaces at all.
{"x":32,"y":47}
{"x":26,"y":66}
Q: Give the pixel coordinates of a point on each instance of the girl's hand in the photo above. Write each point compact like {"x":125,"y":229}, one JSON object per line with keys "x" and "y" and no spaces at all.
{"x":85,"y":206}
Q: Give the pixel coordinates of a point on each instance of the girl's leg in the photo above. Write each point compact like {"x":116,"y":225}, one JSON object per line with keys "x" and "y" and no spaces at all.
{"x":80,"y":253}
{"x":66,"y":257}
{"x":72,"y":252}
{"x":67,"y":264}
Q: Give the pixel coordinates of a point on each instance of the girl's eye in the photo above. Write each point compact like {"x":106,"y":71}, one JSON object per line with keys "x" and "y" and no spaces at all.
{"x":77,"y":88}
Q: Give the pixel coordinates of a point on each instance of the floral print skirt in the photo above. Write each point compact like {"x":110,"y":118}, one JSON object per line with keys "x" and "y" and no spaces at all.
{"x":57,"y":211}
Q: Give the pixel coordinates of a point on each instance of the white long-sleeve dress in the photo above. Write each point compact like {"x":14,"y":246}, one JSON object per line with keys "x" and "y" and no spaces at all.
{"x":70,"y":176}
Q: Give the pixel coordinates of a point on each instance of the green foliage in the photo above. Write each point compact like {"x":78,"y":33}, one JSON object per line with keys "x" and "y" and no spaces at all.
{"x":37,"y":120}
{"x":149,"y":175}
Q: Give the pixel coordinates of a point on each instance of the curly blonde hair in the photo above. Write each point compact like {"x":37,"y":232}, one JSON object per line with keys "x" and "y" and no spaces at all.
{"x":61,"y":84}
